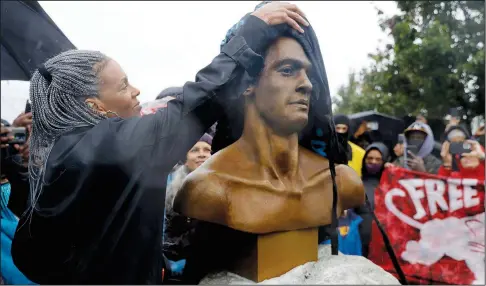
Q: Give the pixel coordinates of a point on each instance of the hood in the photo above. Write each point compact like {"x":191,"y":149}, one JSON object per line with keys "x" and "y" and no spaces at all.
{"x":385,"y":153}
{"x":342,"y":119}
{"x":428,"y":144}
{"x":319,"y":135}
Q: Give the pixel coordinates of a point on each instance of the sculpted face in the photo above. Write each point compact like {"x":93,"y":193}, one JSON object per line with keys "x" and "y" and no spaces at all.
{"x":282,"y":94}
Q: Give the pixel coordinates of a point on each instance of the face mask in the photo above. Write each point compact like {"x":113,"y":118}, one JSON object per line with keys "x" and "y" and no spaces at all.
{"x":414,"y":145}
{"x":373,"y":169}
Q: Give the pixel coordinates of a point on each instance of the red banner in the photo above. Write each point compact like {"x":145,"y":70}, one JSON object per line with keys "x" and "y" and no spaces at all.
{"x":435,"y":226}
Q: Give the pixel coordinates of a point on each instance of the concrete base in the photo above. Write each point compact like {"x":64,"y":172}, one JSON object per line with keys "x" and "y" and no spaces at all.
{"x":341,"y":269}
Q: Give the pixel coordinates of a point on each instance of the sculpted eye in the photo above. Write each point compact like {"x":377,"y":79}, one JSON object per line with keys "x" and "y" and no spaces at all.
{"x":287,"y":71}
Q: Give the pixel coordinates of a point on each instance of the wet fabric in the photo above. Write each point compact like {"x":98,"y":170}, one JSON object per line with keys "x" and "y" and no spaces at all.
{"x":29,"y":37}
{"x":99,"y":219}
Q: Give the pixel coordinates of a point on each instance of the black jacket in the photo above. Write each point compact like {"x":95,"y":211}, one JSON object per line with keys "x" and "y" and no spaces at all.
{"x":100,"y":216}
{"x":370,"y":183}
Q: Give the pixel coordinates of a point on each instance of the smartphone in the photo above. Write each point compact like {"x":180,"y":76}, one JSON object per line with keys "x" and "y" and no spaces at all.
{"x":458,"y":148}
{"x":28,"y":107}
{"x":19,"y":135}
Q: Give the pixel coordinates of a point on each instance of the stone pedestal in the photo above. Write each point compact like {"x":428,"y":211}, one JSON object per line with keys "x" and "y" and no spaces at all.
{"x":274,"y":254}
{"x":329,"y":269}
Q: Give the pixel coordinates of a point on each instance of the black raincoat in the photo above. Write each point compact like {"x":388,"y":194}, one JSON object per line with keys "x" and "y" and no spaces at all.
{"x":100,"y":216}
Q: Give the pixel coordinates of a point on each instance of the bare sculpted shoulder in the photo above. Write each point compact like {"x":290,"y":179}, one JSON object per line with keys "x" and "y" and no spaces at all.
{"x":229,"y":189}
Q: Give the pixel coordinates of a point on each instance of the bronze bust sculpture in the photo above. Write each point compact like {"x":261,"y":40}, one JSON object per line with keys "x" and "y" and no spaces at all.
{"x":265,"y":184}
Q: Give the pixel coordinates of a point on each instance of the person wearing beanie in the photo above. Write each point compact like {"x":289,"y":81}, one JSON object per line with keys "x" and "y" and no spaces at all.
{"x":177,"y":228}
{"x":354,"y":152}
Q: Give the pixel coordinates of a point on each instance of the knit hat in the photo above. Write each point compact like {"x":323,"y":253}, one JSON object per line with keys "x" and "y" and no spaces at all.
{"x":207,"y":138}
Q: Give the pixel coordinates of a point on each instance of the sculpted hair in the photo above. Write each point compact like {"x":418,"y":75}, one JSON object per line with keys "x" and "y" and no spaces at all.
{"x":57,"y":94}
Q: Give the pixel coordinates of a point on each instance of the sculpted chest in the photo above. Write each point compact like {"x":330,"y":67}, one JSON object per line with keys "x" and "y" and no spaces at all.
{"x":258,"y":206}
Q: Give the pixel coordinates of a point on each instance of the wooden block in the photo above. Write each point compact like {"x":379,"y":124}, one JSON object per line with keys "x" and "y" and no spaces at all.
{"x":276,"y":253}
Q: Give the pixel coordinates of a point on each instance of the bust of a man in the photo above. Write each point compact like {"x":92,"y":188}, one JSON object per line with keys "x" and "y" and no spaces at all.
{"x":265,"y":182}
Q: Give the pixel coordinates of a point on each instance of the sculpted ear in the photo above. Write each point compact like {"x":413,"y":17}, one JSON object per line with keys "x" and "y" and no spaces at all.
{"x":249,"y":91}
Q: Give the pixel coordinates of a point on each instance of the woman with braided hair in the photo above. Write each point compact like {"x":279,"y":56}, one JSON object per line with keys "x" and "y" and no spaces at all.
{"x":98,"y":174}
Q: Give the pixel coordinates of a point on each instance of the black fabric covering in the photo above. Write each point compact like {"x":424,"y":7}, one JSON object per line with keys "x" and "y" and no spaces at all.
{"x":29,"y":38}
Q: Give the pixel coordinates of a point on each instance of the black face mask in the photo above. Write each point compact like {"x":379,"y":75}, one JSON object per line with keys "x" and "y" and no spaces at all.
{"x":414,"y":145}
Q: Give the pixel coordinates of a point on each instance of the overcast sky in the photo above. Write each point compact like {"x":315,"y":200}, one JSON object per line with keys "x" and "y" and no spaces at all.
{"x":163,"y":44}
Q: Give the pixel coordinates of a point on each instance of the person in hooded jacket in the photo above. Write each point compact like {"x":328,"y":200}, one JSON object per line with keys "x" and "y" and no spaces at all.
{"x":377,"y":154}
{"x":419,"y":143}
{"x":354,"y":152}
{"x":98,"y":171}
{"x":178,"y":228}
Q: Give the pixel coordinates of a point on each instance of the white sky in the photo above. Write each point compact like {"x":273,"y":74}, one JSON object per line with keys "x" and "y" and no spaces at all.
{"x":162,"y":44}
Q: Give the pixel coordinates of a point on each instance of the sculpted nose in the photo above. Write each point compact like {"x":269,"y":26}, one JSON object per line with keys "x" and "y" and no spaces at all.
{"x":305,"y":85}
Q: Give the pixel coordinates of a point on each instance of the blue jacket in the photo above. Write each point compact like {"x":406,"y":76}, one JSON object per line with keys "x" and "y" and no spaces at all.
{"x":10,"y":273}
{"x":348,"y":234}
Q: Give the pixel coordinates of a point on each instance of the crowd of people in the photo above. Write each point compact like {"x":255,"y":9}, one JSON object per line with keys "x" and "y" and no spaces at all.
{"x":413,"y":151}
{"x":88,"y":198}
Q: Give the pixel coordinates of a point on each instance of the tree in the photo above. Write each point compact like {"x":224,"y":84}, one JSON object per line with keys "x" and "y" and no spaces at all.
{"x":436,"y":62}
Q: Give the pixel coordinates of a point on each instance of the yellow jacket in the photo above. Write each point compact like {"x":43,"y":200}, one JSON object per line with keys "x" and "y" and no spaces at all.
{"x":358,"y":156}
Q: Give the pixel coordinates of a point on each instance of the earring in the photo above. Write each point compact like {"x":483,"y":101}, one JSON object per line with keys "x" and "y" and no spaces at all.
{"x":90,"y":105}
{"x":112,"y":112}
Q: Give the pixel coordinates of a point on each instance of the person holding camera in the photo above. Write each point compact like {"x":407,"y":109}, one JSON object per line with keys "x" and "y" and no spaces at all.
{"x":419,"y":143}
{"x":462,"y":158}
{"x":14,"y":159}
{"x":12,"y":200}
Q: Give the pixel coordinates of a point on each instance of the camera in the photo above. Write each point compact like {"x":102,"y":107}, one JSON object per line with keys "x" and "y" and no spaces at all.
{"x":19,"y":135}
{"x":458,"y":148}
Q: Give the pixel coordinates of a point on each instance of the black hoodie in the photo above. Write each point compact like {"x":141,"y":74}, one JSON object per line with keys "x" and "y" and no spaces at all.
{"x":371,"y":182}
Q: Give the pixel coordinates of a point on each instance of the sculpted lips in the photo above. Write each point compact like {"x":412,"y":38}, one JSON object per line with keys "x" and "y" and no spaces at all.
{"x":302,"y":103}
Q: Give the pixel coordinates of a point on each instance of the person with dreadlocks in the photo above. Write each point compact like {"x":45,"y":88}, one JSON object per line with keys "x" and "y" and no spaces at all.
{"x":98,"y":174}
{"x":278,"y":185}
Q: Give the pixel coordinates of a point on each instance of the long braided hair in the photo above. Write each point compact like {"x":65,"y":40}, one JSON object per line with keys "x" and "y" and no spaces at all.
{"x":58,"y":90}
